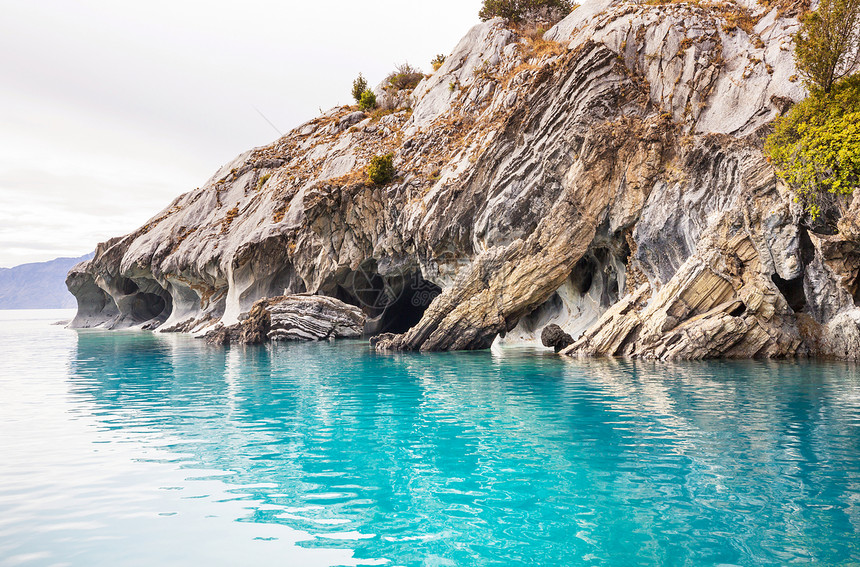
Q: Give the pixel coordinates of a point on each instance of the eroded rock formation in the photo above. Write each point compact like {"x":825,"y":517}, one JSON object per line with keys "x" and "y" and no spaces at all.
{"x":292,"y":318}
{"x":608,"y":178}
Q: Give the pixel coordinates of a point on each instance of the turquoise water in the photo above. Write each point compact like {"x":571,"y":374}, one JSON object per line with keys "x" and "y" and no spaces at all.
{"x":130,"y":448}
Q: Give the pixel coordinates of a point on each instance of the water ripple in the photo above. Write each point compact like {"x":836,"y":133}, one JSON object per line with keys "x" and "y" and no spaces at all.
{"x":134,"y":448}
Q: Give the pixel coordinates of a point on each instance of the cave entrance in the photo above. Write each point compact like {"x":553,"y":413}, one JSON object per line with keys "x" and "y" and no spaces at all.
{"x":792,"y":290}
{"x":597,"y":274}
{"x":408,"y":306}
{"x":392,"y":303}
{"x":148,"y":306}
{"x":129,"y":287}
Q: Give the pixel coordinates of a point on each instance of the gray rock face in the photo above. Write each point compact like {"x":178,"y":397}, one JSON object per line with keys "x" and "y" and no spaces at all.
{"x":610,"y":181}
{"x":292,"y":318}
{"x":313,"y":317}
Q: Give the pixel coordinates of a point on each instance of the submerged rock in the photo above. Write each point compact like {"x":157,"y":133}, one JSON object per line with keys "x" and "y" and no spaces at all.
{"x":609,"y":180}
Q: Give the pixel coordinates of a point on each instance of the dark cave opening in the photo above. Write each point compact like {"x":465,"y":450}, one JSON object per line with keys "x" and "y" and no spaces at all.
{"x":582,"y":275}
{"x":739,"y":310}
{"x":129,"y":287}
{"x":792,"y":290}
{"x":855,"y":289}
{"x":611,"y":290}
{"x":393,"y":304}
{"x":597,"y":268}
{"x":149,"y":306}
{"x":807,"y":248}
{"x":409,"y":306}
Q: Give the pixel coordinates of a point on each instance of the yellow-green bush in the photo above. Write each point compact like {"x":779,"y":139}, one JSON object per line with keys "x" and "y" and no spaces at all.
{"x":367,"y":100}
{"x":816,"y":145}
{"x":262,"y":180}
{"x":381,"y":169}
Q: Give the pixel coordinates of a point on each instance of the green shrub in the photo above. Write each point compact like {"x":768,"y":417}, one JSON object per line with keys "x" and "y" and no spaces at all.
{"x":381,"y":169}
{"x":827,"y":47}
{"x":404,"y":77}
{"x":816,"y":146}
{"x":517,"y":11}
{"x":359,"y":85}
{"x":438,"y":61}
{"x":367,"y":100}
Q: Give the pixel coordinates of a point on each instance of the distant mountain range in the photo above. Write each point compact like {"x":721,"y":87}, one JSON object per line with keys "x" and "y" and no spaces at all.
{"x":40,"y":285}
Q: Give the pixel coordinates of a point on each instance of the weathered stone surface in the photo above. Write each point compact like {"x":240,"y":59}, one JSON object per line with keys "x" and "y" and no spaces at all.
{"x":313,"y":317}
{"x":723,"y":301}
{"x":612,"y":183}
{"x":292,"y":318}
{"x":841,"y":336}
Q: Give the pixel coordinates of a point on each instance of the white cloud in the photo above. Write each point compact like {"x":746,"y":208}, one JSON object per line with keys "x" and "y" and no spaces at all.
{"x":109,"y":110}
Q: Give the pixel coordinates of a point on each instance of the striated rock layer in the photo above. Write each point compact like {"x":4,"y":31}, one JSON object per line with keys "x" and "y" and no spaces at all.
{"x":292,"y":318}
{"x":608,"y":178}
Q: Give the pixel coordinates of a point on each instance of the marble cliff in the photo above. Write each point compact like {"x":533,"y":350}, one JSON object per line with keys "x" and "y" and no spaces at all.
{"x":608,"y":178}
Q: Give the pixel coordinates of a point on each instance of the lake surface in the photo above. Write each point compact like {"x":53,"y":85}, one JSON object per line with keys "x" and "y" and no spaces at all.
{"x":133,"y":448}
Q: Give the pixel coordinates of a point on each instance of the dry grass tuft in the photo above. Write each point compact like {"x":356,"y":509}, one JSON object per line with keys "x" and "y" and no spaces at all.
{"x":536,"y":45}
{"x":228,"y":220}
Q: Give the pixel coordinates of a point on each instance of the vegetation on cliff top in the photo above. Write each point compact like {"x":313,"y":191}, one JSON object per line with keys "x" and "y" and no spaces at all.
{"x":381,"y":169}
{"x":367,"y":100}
{"x":359,"y":85}
{"x":517,"y":11}
{"x":827,"y":47}
{"x":404,"y":77}
{"x":816,"y":146}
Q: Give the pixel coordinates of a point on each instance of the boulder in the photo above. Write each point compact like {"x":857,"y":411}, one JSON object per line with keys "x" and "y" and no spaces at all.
{"x":555,"y":337}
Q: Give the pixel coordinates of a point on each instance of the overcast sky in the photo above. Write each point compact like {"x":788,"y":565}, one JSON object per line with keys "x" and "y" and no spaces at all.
{"x":110,"y":109}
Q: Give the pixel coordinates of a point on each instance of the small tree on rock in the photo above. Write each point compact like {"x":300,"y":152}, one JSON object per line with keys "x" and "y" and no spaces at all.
{"x":816,"y":146}
{"x":359,"y":85}
{"x":404,"y":77}
{"x":827,"y":47}
{"x":518,"y":11}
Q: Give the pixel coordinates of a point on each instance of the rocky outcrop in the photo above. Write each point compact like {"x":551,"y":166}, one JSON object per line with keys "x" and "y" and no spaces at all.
{"x":608,"y":179}
{"x":554,"y":337}
{"x":292,"y":318}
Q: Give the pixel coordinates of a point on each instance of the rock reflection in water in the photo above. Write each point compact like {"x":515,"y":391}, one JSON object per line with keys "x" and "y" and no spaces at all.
{"x":507,"y":455}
